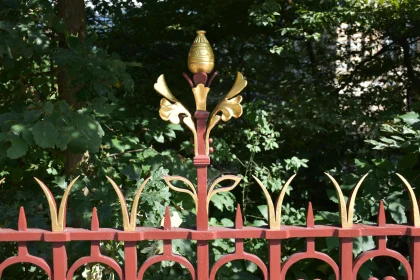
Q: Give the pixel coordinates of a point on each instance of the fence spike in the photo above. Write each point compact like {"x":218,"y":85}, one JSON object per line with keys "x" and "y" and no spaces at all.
{"x":239,"y":223}
{"x":310,"y":221}
{"x":94,"y":224}
{"x":22,"y":224}
{"x":167,"y":220}
{"x":381,"y":214}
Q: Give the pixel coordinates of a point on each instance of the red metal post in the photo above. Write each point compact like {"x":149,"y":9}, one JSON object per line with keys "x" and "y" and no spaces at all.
{"x":415,"y":257}
{"x":201,"y":162}
{"x":130,"y":259}
{"x":274,"y":258}
{"x":346,"y":258}
{"x":59,"y":261}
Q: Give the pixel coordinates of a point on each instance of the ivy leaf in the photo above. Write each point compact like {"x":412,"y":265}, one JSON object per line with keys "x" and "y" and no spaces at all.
{"x":45,"y":134}
{"x":18,"y":148}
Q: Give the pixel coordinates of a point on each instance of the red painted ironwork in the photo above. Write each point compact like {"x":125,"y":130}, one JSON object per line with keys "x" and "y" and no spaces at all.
{"x":346,"y":269}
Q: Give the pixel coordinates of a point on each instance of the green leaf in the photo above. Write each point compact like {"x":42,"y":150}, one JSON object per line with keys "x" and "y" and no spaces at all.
{"x":4,"y":136}
{"x":410,"y":118}
{"x":18,"y":148}
{"x":363,"y":244}
{"x":263,"y":210}
{"x":223,"y":200}
{"x":45,"y":134}
{"x":397,"y":212}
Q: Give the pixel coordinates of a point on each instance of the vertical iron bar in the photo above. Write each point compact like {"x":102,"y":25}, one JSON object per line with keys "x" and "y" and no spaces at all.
{"x":201,"y":162}
{"x":346,"y":258}
{"x":274,"y":258}
{"x":130,"y":258}
{"x":415,"y":257}
{"x":59,"y":261}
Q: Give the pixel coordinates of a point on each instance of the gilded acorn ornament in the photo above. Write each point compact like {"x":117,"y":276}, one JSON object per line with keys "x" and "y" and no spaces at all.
{"x":201,"y":56}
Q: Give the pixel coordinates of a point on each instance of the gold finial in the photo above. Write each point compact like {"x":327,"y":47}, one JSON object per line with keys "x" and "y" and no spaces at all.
{"x":201,"y":57}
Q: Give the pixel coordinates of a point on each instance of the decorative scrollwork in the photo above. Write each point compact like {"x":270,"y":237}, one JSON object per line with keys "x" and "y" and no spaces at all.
{"x":171,"y":109}
{"x":212,"y":191}
{"x":274,"y":215}
{"x":129,"y":223}
{"x":230,"y":106}
{"x":200,"y":95}
{"x":58,"y":220}
{"x":192,"y":192}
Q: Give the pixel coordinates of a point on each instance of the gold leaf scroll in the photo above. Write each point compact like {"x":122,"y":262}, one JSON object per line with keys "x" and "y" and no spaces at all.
{"x":57,"y":222}
{"x":171,"y":109}
{"x":212,"y":191}
{"x":129,"y":223}
{"x":230,"y":106}
{"x":274,"y":215}
{"x":192,"y":192}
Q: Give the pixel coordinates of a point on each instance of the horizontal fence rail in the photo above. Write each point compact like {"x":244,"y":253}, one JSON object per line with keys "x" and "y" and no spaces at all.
{"x":347,"y":268}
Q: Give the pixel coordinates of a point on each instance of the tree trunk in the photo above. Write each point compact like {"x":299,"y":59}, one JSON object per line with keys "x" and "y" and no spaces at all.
{"x":74,"y":15}
{"x":413,"y":89}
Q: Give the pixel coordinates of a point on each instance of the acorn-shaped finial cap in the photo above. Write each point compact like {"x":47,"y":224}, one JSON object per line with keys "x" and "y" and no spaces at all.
{"x":201,"y":57}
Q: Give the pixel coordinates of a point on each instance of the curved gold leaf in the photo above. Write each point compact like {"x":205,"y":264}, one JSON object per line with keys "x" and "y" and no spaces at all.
{"x":341,"y":203}
{"x":352,"y":201}
{"x":212,"y":191}
{"x":272,"y":222}
{"x":192,"y":193}
{"x":413,"y":200}
{"x":200,"y":95}
{"x":63,"y":205}
{"x":123,"y":204}
{"x":134,"y":208}
{"x":161,"y":87}
{"x":51,"y":205}
{"x":280,"y":199}
{"x":57,"y":222}
{"x":238,"y":86}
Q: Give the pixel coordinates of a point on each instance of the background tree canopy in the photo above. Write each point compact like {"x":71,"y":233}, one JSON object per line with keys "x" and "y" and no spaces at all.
{"x":333,"y":86}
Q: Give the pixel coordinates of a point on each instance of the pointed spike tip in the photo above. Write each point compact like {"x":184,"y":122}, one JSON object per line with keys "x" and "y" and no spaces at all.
{"x":167,"y":220}
{"x":310,"y":221}
{"x":381,"y":214}
{"x":94,"y":225}
{"x":239,"y":223}
{"x":22,"y":224}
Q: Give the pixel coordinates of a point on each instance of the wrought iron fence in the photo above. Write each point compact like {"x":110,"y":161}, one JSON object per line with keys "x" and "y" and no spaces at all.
{"x":201,"y":62}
